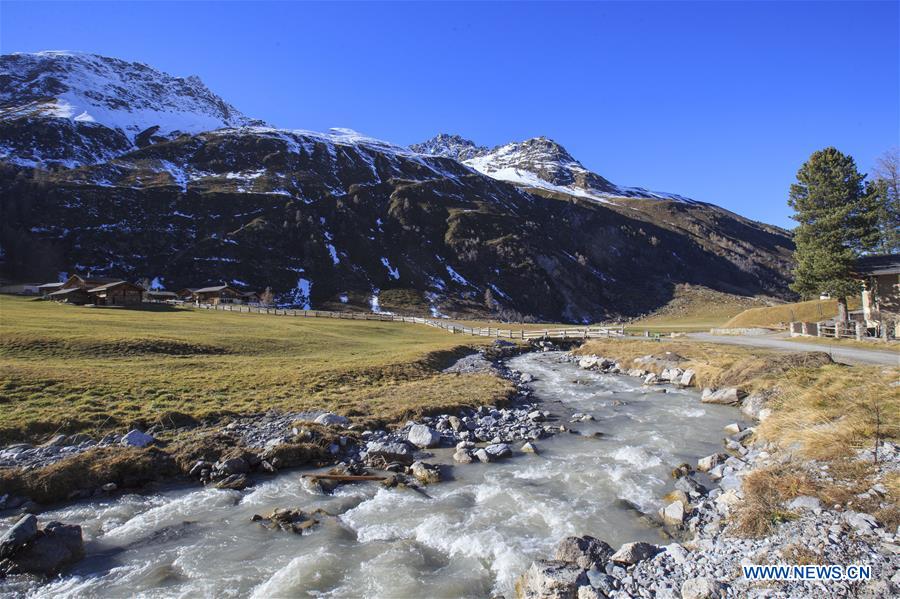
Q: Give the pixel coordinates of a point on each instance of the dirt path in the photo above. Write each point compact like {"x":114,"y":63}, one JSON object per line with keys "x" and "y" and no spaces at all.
{"x":846,"y":355}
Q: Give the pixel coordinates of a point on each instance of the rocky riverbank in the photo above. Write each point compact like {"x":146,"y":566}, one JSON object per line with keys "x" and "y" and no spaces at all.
{"x":730,"y":512}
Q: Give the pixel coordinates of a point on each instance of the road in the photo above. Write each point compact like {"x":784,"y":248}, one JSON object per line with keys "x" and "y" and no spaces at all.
{"x":846,"y":355}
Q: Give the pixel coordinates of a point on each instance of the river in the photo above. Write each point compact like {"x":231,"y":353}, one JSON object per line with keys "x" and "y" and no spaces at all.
{"x":468,"y":537}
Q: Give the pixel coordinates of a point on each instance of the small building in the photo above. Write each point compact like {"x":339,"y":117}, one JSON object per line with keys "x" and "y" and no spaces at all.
{"x":880,"y":276}
{"x":117,"y":293}
{"x":71,"y":295}
{"x":158,"y":295}
{"x":251,"y":297}
{"x":219,"y":294}
{"x":186,"y":294}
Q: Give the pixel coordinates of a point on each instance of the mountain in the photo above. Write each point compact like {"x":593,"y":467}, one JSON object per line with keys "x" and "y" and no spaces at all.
{"x":339,"y":220}
{"x":537,"y":163}
{"x":74,"y":108}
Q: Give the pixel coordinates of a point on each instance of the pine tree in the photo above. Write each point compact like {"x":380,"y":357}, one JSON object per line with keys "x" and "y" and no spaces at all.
{"x":837,"y":219}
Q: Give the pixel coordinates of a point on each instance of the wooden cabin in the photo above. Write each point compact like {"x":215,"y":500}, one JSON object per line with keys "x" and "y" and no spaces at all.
{"x":71,"y":295}
{"x":48,"y":288}
{"x":87,"y":282}
{"x":117,"y":293}
{"x":158,"y":295}
{"x":219,"y":294}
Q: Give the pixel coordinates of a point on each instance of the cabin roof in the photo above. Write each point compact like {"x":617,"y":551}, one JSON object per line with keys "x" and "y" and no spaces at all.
{"x":883,"y":264}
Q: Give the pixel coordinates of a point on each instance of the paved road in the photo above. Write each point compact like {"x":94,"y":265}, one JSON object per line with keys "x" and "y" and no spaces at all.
{"x":847,"y":355}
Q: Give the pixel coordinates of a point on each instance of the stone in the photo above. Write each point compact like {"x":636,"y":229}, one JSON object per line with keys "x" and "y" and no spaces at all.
{"x":548,"y":579}
{"x":57,"y":441}
{"x":691,"y":486}
{"x":294,"y":521}
{"x":483,"y":456}
{"x":673,"y":513}
{"x":109,"y":487}
{"x":136,"y":438}
{"x":589,"y":592}
{"x":233,"y":466}
{"x":426,"y":473}
{"x":728,"y":396}
{"x":753,"y":404}
{"x":651,"y":378}
{"x":529,"y":447}
{"x":727,"y":501}
{"x":711,"y":461}
{"x":585,"y":552}
{"x":390,"y":452}
{"x":536,"y":416}
{"x":701,"y":588}
{"x":18,"y":535}
{"x":234,"y":481}
{"x":730,"y":482}
{"x":423,"y":436}
{"x":632,"y":553}
{"x":463,"y":457}
{"x":498,"y":451}
{"x":861,"y":522}
{"x":455,"y":423}
{"x":526,"y":377}
{"x":55,"y":546}
{"x":805,"y":503}
{"x":332,"y":419}
{"x":733,"y":428}
{"x":687,"y":378}
{"x":587,"y":362}
{"x":677,"y":552}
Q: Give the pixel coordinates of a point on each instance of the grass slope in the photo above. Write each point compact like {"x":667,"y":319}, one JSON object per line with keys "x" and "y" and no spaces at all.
{"x":68,"y":368}
{"x":809,"y":311}
{"x":695,"y":308}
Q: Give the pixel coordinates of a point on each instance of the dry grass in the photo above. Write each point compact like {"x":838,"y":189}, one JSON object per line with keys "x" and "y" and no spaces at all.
{"x":765,"y":493}
{"x":695,"y":308}
{"x":69,"y":369}
{"x":772,"y":316}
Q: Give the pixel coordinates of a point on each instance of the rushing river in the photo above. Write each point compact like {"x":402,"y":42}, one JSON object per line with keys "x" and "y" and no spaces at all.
{"x":470,"y":537}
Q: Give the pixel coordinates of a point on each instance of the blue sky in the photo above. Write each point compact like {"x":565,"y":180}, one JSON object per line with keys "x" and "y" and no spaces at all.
{"x":720,"y":101}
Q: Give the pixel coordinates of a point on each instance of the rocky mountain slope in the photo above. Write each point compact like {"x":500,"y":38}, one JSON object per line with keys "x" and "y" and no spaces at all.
{"x":337,"y":219}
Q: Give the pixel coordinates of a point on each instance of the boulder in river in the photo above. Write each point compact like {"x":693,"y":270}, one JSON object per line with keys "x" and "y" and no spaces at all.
{"x":687,"y":378}
{"x":426,"y":473}
{"x":632,"y":553}
{"x":674,"y":513}
{"x":550,"y":579}
{"x":51,"y":549}
{"x":498,"y":451}
{"x":585,"y":551}
{"x":529,"y":447}
{"x":18,"y":536}
{"x":390,"y":452}
{"x":711,"y":461}
{"x":289,"y":520}
{"x":423,"y":436}
{"x":463,"y":456}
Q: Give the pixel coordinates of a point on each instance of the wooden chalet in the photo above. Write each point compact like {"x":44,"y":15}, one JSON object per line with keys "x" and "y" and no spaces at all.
{"x":219,"y":294}
{"x":117,"y":293}
{"x":880,"y":276}
{"x":159,"y":295}
{"x":70,"y":295}
{"x":48,"y":288}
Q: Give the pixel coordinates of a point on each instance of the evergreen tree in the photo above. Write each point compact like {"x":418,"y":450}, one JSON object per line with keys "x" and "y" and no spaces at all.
{"x":837,"y":219}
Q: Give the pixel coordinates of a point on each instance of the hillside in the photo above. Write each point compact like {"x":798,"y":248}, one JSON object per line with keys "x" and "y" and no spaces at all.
{"x":338,"y":220}
{"x":808,"y":311}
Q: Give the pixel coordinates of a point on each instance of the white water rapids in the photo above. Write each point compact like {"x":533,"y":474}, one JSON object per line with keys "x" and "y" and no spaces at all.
{"x":471,"y":538}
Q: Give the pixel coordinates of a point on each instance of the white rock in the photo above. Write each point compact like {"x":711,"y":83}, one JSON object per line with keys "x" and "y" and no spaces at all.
{"x":727,"y":396}
{"x":632,"y":553}
{"x":805,"y":502}
{"x":331,"y":419}
{"x":727,"y":501}
{"x":701,"y":588}
{"x":733,"y":428}
{"x":673,"y":513}
{"x":687,"y":378}
{"x":529,"y":447}
{"x":423,"y":436}
{"x":709,"y":462}
{"x":136,"y":438}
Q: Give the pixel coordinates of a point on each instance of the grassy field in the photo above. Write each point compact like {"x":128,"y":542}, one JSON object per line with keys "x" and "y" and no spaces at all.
{"x":69,"y":368}
{"x":809,"y":311}
{"x":694,"y":308}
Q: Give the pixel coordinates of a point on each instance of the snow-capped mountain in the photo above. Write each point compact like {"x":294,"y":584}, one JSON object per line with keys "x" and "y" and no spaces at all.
{"x":84,"y":95}
{"x":94,"y":179}
{"x":537,"y":163}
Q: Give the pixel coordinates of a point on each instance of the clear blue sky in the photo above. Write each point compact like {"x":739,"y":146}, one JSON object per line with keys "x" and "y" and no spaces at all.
{"x":718,"y":101}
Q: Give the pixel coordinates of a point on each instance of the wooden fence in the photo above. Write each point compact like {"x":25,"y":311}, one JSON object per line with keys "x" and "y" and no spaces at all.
{"x":509,"y":333}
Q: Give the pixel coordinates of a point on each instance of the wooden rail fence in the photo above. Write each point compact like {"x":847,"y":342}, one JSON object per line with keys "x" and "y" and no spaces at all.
{"x":556,"y":333}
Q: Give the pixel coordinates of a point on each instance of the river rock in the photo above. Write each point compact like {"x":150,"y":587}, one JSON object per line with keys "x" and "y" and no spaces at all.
{"x":529,"y":447}
{"x":673,"y":513}
{"x":587,"y":362}
{"x":463,"y":457}
{"x":455,"y":423}
{"x":136,"y":438}
{"x":289,"y":520}
{"x":702,"y":588}
{"x":549,"y":579}
{"x":21,"y":533}
{"x":332,"y":419}
{"x":734,"y":428}
{"x":728,"y":396}
{"x":54,"y":547}
{"x":585,"y":551}
{"x":390,"y":452}
{"x":426,"y":473}
{"x":632,"y":553}
{"x":423,"y":436}
{"x":754,"y":403}
{"x":483,"y":456}
{"x":687,"y":378}
{"x":235,"y":482}
{"x":727,"y":501}
{"x":498,"y":451}
{"x":231,"y":466}
{"x":711,"y":461}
